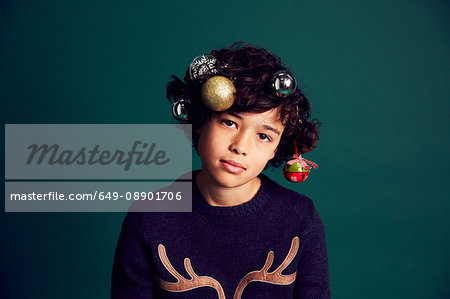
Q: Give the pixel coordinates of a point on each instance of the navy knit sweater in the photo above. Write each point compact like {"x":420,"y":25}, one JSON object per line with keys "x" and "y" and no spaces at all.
{"x":270,"y":247}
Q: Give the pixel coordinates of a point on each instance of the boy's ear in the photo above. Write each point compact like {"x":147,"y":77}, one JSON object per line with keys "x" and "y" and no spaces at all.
{"x":273,"y":154}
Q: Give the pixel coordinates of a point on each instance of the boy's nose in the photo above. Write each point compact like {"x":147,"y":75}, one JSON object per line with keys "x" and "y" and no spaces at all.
{"x":240,"y":144}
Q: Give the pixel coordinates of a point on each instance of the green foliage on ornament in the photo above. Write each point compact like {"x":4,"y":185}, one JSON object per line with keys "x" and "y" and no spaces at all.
{"x":296,"y":167}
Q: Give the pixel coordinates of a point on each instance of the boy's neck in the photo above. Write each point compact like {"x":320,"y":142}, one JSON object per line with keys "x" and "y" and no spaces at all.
{"x":221,"y":196}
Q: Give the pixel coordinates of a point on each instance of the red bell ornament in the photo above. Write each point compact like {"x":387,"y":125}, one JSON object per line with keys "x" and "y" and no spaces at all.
{"x":297,"y":169}
{"x":295,"y":173}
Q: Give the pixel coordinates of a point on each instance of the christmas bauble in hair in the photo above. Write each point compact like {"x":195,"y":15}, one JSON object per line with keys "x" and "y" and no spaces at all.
{"x":295,"y":172}
{"x":218,"y":93}
{"x":179,"y":109}
{"x":202,"y":67}
{"x":283,"y":83}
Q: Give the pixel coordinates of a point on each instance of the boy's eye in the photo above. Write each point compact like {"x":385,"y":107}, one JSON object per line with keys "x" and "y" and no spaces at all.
{"x":228,"y":123}
{"x":264,"y":137}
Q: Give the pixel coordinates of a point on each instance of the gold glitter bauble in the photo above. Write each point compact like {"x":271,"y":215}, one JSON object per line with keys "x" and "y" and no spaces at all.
{"x":218,"y":93}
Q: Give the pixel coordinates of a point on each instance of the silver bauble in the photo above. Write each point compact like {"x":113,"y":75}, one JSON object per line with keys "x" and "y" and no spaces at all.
{"x":179,"y":109}
{"x":283,"y":83}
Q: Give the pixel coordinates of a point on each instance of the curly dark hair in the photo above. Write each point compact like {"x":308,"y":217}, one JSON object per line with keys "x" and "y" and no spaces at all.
{"x":251,"y":69}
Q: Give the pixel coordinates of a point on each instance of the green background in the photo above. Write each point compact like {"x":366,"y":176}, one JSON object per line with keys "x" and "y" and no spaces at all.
{"x":376,"y":72}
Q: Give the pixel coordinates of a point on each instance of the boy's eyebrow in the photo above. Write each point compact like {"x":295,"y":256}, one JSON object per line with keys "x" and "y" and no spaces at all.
{"x":267,"y":127}
{"x":235,"y":114}
{"x":271,"y":129}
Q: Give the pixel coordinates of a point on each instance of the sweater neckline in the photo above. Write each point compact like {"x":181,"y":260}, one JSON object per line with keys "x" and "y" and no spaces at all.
{"x":200,"y":205}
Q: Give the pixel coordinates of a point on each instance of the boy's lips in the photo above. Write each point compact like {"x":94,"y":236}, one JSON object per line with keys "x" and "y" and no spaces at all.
{"x":234,"y":163}
{"x":233,"y":166}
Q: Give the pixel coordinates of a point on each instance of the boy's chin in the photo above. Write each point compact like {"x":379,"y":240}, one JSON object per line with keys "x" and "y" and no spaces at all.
{"x":233,"y":181}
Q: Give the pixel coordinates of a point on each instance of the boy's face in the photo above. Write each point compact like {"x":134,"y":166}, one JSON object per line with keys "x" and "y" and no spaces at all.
{"x":235,"y":147}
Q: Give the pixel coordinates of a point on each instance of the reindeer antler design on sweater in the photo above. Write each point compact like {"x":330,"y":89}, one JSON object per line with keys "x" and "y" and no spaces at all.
{"x":184,"y":284}
{"x":274,"y":277}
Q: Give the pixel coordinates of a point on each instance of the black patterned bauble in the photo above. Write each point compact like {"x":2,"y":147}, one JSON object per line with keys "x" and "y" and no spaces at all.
{"x":203,"y":67}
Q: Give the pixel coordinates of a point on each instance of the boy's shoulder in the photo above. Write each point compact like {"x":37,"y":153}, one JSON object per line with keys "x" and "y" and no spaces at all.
{"x":285,"y":196}
{"x":281,"y":191}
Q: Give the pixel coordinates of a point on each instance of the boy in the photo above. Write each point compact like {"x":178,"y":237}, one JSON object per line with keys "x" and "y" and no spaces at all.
{"x":247,"y":236}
